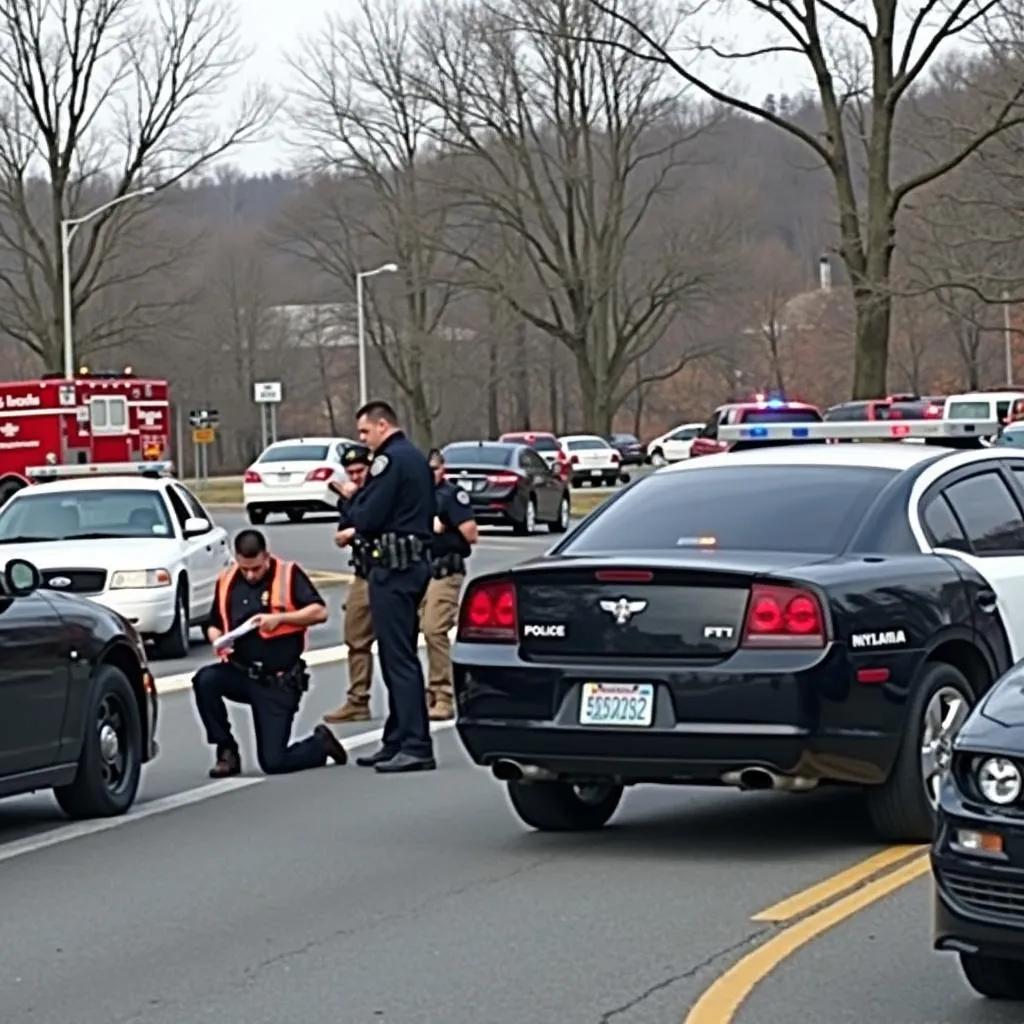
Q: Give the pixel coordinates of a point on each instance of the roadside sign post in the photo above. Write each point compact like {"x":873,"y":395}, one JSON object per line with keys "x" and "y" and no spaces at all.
{"x":204,"y":423}
{"x":267,"y":395}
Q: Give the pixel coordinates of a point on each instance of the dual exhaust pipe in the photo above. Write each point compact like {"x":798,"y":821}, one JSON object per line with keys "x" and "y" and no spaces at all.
{"x":762,"y":778}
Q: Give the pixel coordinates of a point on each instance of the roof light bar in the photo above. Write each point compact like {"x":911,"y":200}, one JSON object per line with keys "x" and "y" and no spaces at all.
{"x":867,"y":431}
{"x":89,"y":469}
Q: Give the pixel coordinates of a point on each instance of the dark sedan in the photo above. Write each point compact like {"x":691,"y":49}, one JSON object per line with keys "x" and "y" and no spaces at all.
{"x":78,"y":705}
{"x":509,"y":485}
{"x":630,"y":448}
{"x":978,"y":853}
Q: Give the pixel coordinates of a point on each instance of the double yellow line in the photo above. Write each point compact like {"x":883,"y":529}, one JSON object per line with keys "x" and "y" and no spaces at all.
{"x":812,"y":912}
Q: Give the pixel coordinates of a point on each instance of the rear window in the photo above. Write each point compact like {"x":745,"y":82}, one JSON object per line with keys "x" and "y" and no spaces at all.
{"x":968,"y":411}
{"x":295,"y":453}
{"x":586,"y":444}
{"x":538,"y":444}
{"x":813,"y":509}
{"x":624,"y":439}
{"x":478,"y":454}
{"x":1011,"y":439}
{"x":779,"y":416}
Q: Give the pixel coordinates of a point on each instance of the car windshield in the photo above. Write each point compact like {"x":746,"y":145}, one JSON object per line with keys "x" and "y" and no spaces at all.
{"x":747,"y":508}
{"x":585,"y":444}
{"x":780,"y":416}
{"x":80,"y":515}
{"x":478,"y":454}
{"x":624,"y":439}
{"x":295,"y":453}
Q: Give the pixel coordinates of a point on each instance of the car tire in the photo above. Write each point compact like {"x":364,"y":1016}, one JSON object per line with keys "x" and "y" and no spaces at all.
{"x":295,"y":515}
{"x":561,"y":524}
{"x":657,"y":459}
{"x":900,"y":808}
{"x":8,"y":489}
{"x":993,"y":977}
{"x":611,"y":481}
{"x":175,"y":642}
{"x":528,"y":526}
{"x":561,"y":807}
{"x":110,"y":764}
{"x":257,"y":516}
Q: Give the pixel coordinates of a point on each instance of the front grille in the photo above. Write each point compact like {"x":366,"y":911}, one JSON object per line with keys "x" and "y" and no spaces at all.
{"x":1002,"y":901}
{"x":80,"y":581}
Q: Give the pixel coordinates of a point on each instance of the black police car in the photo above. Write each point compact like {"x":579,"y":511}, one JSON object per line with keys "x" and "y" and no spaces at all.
{"x":978,"y":853}
{"x":778,"y":619}
{"x":509,"y":484}
{"x":78,"y":705}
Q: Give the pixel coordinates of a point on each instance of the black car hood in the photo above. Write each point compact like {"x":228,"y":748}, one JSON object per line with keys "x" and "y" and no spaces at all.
{"x":1003,"y":705}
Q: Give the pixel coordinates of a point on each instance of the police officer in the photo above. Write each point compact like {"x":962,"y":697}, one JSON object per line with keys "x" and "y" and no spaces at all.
{"x":358,"y":630}
{"x":263,"y":668}
{"x":395,"y":512}
{"x":455,"y":532}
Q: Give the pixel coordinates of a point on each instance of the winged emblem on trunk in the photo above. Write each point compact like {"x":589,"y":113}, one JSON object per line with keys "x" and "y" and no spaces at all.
{"x":623,"y":609}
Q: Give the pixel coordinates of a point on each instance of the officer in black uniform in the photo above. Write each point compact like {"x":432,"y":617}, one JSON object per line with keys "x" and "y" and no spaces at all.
{"x":263,"y":668}
{"x":394,"y":510}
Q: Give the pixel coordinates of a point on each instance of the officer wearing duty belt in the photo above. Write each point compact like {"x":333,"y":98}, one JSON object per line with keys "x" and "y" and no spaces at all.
{"x":395,"y":512}
{"x":264,"y":667}
{"x":358,"y":630}
{"x":455,"y":532}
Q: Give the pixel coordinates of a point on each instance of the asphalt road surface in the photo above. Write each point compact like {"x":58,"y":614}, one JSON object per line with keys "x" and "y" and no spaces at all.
{"x":342,"y":897}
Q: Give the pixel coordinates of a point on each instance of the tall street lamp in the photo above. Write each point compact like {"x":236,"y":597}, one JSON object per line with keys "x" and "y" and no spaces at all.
{"x":68,"y":228}
{"x":387,"y":268}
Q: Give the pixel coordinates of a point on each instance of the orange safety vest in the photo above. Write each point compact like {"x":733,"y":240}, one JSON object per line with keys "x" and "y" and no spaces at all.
{"x":281,"y":599}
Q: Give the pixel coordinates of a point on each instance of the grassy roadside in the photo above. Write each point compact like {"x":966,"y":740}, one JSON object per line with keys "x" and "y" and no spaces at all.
{"x":229,"y":492}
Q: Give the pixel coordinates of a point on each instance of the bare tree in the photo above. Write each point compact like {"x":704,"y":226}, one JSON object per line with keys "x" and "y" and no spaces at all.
{"x":580,"y":152}
{"x":98,"y":97}
{"x":359,"y":111}
{"x":865,"y":71}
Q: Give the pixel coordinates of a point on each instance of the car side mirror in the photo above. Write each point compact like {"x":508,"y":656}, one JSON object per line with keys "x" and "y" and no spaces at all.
{"x":195,"y":526}
{"x":623,"y":478}
{"x":21,"y":578}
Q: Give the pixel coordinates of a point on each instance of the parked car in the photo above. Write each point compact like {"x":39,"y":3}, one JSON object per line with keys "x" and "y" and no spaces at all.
{"x":545,"y":445}
{"x":78,"y":705}
{"x":509,"y":485}
{"x":894,"y":407}
{"x":673,"y":446}
{"x":145,"y":548}
{"x":591,"y":460}
{"x":630,"y":448}
{"x":294,"y":477}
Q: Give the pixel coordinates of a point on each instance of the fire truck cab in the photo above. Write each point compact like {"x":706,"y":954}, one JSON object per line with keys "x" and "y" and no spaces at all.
{"x":52,"y":427}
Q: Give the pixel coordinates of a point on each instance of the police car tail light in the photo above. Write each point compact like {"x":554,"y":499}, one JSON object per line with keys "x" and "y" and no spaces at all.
{"x":251,"y":477}
{"x":574,"y":461}
{"x":489,"y":613}
{"x":615,"y":457}
{"x":502,"y":479}
{"x":322,"y":473}
{"x":781,"y":617}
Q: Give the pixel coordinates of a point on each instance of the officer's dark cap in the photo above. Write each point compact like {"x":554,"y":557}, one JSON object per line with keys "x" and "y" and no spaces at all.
{"x":356,"y":454}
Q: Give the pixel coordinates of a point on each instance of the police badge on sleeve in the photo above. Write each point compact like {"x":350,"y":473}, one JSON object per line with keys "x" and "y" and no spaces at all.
{"x":379,"y":464}
{"x":462,"y":497}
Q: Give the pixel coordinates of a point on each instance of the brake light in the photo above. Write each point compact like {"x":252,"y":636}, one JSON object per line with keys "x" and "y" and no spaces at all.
{"x":323,"y":473}
{"x":502,"y":479}
{"x":782,"y":617}
{"x":574,"y":461}
{"x":251,"y":477}
{"x":933,"y":412}
{"x":624,"y":576}
{"x":489,"y":614}
{"x":615,"y":456}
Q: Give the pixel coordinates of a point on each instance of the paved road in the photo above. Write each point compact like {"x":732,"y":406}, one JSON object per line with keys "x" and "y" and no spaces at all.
{"x":312,"y":545}
{"x":339,"y":895}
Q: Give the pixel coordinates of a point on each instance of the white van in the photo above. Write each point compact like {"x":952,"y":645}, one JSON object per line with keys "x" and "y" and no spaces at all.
{"x":985,"y":405}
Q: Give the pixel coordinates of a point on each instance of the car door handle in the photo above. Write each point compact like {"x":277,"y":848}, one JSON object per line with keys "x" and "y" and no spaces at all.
{"x":986,"y":601}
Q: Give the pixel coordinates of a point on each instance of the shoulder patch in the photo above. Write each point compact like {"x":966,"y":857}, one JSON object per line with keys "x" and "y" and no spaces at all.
{"x":379,"y":464}
{"x":461,"y":496}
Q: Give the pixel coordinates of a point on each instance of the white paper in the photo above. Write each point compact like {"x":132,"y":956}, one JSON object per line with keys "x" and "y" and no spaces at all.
{"x":227,"y":641}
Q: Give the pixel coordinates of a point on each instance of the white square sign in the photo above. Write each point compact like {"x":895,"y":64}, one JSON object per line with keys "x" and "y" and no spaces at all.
{"x":267,"y":392}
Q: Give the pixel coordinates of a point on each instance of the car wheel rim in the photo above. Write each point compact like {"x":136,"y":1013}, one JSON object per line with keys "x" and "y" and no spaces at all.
{"x":593,"y":793}
{"x":658,"y":460}
{"x":944,"y":714}
{"x":112,"y":725}
{"x":183,"y":623}
{"x":531,"y":517}
{"x":563,"y":514}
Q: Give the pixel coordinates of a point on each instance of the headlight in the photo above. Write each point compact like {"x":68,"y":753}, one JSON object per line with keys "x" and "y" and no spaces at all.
{"x":140,"y":579}
{"x":999,"y":780}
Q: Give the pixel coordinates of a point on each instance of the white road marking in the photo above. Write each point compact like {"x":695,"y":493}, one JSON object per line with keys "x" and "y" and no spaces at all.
{"x":81,"y":829}
{"x":314,"y":659}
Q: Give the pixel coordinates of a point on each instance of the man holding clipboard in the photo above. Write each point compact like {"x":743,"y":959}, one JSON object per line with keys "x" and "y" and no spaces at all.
{"x":262,"y":610}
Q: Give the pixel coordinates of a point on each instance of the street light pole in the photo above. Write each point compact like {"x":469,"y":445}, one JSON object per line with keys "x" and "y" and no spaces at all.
{"x":387,"y":268}
{"x":1007,"y":339}
{"x":68,"y":227}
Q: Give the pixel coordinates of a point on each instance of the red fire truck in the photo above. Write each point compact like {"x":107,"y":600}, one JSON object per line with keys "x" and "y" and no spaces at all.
{"x":54,"y":427}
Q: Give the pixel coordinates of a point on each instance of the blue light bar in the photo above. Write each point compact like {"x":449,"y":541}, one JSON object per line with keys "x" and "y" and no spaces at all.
{"x":775,"y":403}
{"x":756,"y":432}
{"x":801,"y":432}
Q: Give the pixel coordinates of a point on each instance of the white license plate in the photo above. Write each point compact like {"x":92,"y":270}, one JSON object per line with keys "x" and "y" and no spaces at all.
{"x":595,"y":472}
{"x":283,"y":478}
{"x":625,"y":704}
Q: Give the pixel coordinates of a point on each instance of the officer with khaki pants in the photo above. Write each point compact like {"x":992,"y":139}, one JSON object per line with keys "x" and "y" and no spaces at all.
{"x":455,"y":531}
{"x":359,"y":634}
